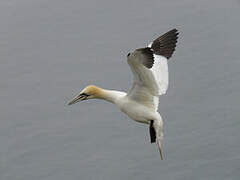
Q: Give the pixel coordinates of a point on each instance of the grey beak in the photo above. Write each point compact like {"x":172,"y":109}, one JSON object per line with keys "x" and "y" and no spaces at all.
{"x":77,"y":99}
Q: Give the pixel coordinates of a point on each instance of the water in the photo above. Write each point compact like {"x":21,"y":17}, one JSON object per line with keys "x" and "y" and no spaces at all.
{"x":50,"y":50}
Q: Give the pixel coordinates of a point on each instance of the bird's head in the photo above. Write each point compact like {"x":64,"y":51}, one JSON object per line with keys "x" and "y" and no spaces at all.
{"x":89,"y":92}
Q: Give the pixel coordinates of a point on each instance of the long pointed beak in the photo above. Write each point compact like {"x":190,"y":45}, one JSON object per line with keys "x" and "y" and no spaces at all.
{"x":160,"y":148}
{"x":76,"y":99}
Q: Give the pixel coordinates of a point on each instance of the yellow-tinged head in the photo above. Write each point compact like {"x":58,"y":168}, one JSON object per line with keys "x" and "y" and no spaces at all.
{"x":89,"y":92}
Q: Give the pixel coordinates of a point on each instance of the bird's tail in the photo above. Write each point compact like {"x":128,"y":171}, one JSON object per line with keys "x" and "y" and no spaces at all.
{"x":160,"y":148}
{"x":157,"y":124}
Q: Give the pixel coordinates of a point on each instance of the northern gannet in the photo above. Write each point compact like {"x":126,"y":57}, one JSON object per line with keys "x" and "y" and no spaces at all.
{"x":150,"y":80}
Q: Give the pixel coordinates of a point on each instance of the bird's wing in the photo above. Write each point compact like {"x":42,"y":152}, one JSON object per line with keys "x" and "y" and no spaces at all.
{"x":150,"y":69}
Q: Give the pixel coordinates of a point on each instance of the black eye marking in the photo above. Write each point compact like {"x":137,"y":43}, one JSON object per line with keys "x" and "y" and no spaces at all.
{"x":128,"y":54}
{"x":84,"y":94}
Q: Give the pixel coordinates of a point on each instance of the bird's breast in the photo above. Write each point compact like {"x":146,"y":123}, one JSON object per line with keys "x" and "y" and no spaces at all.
{"x":136,"y":111}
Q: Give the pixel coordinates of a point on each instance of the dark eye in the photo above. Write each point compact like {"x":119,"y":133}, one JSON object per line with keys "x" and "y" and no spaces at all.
{"x":128,"y":54}
{"x":84,"y":94}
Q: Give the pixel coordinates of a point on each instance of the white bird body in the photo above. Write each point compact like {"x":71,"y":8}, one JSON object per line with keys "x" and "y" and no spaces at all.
{"x":150,"y":80}
{"x":136,"y":111}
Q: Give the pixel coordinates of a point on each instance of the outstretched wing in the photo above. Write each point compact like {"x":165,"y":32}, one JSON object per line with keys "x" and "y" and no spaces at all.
{"x":150,"y":69}
{"x":165,"y":44}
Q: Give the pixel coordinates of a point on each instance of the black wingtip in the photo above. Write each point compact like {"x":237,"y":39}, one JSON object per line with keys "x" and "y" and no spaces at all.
{"x":165,"y":44}
{"x":148,"y":59}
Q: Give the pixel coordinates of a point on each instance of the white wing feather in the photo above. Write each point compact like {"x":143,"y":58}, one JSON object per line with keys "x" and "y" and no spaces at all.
{"x":148,"y":83}
{"x":160,"y":72}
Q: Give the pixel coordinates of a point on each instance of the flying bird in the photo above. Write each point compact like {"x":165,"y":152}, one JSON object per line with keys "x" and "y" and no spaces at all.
{"x":150,"y":80}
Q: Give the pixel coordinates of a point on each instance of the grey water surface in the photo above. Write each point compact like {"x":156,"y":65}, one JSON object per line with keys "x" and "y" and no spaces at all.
{"x":51,"y":49}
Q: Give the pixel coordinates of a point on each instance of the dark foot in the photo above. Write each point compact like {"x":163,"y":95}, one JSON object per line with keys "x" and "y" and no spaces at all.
{"x":152,"y":132}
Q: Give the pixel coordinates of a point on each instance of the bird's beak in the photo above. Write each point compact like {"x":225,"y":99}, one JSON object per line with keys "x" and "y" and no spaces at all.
{"x":77,"y":99}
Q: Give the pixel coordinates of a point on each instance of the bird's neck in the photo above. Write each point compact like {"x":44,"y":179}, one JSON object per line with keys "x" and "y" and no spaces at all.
{"x":111,"y":95}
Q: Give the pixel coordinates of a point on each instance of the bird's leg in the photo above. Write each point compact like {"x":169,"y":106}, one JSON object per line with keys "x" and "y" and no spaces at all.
{"x":152,"y":132}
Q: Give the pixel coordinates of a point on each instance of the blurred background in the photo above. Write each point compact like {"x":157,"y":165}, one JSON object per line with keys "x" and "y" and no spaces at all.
{"x":50,"y":50}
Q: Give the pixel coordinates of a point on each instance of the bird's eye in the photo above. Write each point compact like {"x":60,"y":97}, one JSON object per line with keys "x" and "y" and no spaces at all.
{"x":128,"y":54}
{"x":84,"y":94}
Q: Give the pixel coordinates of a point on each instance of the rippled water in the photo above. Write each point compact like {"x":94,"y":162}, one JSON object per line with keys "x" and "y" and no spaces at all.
{"x":50,"y":50}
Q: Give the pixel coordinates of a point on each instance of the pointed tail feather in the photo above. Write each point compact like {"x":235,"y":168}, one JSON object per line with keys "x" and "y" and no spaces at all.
{"x":160,"y":148}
